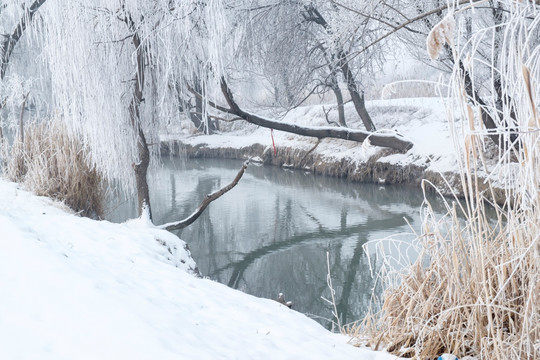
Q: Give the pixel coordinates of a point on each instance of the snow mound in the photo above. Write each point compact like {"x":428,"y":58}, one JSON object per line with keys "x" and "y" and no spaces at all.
{"x":74,"y":288}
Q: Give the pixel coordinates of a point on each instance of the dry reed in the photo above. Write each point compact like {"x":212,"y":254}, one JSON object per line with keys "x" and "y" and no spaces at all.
{"x":52,"y":162}
{"x":475,"y":289}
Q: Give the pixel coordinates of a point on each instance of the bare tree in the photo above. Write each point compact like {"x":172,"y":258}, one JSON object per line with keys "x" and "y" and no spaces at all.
{"x":339,"y":59}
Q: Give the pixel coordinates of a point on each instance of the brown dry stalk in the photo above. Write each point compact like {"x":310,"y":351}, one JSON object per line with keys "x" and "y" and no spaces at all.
{"x":51,"y":162}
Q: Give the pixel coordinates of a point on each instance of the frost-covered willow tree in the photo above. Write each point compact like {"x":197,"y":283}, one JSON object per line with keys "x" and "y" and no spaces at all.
{"x":15,"y":18}
{"x":116,"y":69}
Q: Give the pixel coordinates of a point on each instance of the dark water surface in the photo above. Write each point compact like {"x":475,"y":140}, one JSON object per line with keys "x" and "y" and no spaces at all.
{"x":271,"y":233}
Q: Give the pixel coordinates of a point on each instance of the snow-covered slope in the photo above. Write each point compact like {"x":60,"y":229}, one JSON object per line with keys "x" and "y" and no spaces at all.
{"x":73,"y":288}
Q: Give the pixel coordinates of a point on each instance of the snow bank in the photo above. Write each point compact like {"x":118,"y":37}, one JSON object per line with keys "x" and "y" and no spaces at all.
{"x":73,"y":288}
{"x":421,"y":120}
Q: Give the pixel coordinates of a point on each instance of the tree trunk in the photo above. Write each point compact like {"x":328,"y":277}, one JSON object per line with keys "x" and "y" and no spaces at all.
{"x":141,"y":167}
{"x":356,"y":97}
{"x":206,"y":125}
{"x":339,"y":100}
{"x":141,"y":172}
{"x":391,"y":141}
{"x":489,"y":122}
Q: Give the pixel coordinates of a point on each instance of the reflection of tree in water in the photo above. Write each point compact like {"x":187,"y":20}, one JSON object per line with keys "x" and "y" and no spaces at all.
{"x":203,"y":228}
{"x":303,"y":278}
{"x":281,"y":245}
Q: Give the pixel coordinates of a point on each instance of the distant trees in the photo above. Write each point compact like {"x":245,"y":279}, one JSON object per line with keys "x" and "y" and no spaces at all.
{"x":483,"y":86}
{"x":120,"y":72}
{"x":303,"y":48}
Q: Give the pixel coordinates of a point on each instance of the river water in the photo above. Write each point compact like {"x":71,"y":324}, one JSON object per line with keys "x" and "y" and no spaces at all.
{"x":272,"y":232}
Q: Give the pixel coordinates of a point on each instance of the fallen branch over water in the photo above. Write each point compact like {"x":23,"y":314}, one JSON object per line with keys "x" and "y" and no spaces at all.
{"x":204,"y":204}
{"x":393,"y":141}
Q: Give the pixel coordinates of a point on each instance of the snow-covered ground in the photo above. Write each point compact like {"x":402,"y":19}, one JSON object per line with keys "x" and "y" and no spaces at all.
{"x":74,"y":288}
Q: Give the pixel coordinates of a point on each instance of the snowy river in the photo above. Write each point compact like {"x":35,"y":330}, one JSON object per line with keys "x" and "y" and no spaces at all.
{"x":271,"y":234}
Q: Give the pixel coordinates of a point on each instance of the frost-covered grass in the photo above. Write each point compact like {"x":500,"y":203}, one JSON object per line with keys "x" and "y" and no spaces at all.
{"x":474,"y":291}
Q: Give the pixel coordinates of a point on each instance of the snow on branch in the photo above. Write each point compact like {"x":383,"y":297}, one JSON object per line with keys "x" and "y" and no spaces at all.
{"x":393,"y":141}
{"x":204,"y":204}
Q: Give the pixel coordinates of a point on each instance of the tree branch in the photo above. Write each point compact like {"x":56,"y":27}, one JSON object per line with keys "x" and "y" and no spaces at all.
{"x":204,"y":204}
{"x":386,"y":140}
{"x":408,"y":22}
{"x":487,"y":119}
{"x":21,"y":120}
{"x":368,"y":16}
{"x":9,"y":43}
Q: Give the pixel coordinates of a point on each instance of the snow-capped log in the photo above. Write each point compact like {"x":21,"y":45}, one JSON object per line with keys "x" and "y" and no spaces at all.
{"x":204,"y":204}
{"x":392,"y":141}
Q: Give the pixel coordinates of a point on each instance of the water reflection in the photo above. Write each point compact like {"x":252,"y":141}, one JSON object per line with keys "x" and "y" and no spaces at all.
{"x":271,"y":233}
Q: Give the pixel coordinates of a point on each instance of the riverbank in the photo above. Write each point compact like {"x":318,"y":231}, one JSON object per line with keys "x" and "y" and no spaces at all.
{"x":421,"y":120}
{"x":83,"y":289}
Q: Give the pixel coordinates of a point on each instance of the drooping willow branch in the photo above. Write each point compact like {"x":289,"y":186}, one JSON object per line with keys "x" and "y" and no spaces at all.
{"x":7,"y":46}
{"x":204,"y":204}
{"x":9,"y":43}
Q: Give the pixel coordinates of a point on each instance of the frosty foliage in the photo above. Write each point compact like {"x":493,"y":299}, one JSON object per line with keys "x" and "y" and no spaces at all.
{"x":294,"y":48}
{"x":87,"y":65}
{"x":474,"y":289}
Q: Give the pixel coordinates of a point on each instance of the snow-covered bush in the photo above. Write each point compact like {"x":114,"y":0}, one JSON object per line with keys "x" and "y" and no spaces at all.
{"x":474,"y":290}
{"x":52,"y":162}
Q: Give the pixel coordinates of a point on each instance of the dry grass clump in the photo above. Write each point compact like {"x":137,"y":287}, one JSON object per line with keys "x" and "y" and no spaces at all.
{"x":475,"y":288}
{"x":479,"y":295}
{"x":52,"y":162}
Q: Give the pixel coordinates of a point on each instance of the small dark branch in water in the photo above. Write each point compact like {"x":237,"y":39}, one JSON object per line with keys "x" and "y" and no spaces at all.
{"x":204,"y":204}
{"x":310,"y":151}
